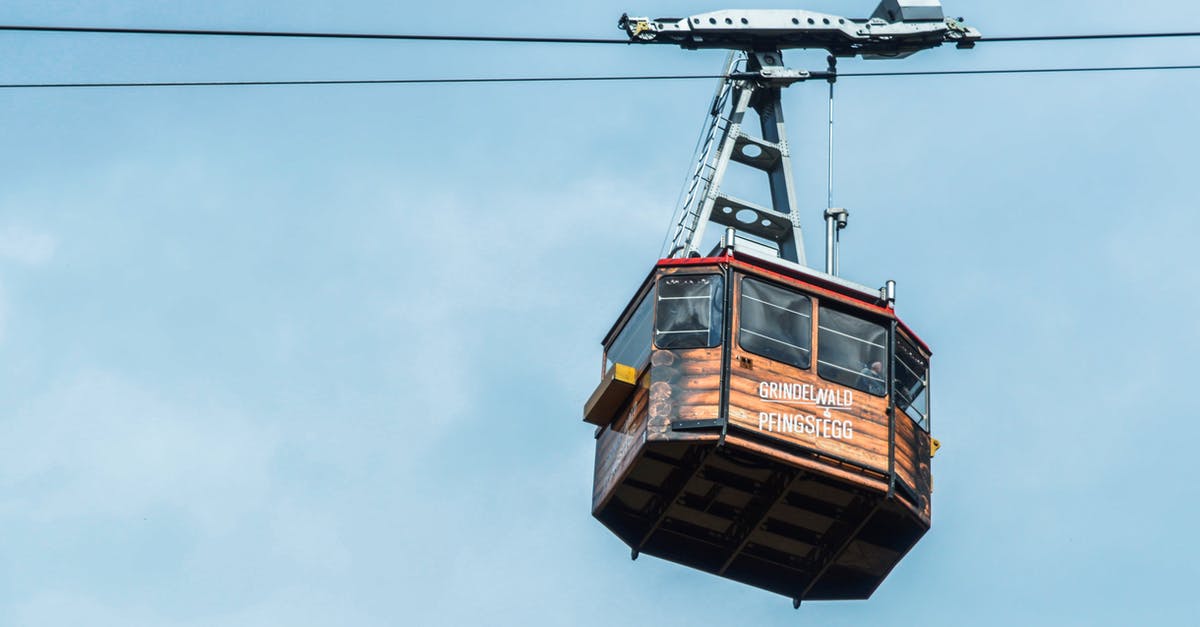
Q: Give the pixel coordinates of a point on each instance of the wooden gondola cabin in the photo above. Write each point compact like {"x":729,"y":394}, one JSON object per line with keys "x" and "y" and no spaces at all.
{"x":766,"y":423}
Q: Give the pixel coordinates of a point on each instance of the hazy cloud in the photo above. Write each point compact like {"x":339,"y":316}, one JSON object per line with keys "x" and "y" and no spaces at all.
{"x":26,"y":246}
{"x":101,"y":446}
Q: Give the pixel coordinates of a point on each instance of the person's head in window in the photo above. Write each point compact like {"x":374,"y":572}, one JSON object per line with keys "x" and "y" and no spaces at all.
{"x":871,"y":379}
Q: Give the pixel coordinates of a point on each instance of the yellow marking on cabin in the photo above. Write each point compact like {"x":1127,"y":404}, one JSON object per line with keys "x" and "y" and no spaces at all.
{"x":627,"y":374}
{"x":934,"y":445}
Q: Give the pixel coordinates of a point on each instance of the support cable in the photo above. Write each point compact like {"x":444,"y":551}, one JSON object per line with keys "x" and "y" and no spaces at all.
{"x":583,"y":79}
{"x":32,"y":28}
{"x":1137,"y":68}
{"x":190,"y":32}
{"x":1041,"y":38}
{"x":396,"y":81}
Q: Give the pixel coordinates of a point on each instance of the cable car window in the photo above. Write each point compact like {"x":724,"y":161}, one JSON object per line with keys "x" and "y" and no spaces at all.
{"x":775,"y":323}
{"x":689,"y":311}
{"x":852,"y":351}
{"x":912,"y":382}
{"x":631,"y":347}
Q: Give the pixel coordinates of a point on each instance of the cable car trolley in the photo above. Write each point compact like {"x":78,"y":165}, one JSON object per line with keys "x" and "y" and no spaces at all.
{"x":757,"y":418}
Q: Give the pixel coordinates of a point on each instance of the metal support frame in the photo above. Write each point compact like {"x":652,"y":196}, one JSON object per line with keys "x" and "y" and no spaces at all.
{"x":672,"y":487}
{"x":891,"y":408}
{"x":828,"y":559}
{"x":836,"y":219}
{"x":726,"y":348}
{"x":758,"y":89}
{"x":896,"y":29}
{"x":775,"y":490}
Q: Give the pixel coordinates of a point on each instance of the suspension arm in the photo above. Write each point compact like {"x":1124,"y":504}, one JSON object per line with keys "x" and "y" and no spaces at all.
{"x":897,"y":29}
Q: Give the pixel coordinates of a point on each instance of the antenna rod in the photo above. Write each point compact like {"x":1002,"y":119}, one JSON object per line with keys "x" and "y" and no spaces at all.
{"x":832,"y":78}
{"x":835,"y":219}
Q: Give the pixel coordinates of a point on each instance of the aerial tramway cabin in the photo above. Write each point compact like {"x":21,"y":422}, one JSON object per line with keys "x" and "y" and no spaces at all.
{"x":758,"y":419}
{"x":764,"y":422}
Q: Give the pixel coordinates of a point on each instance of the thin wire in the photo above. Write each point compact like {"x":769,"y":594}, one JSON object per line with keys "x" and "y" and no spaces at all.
{"x":307,"y":35}
{"x":398,"y":81}
{"x":1138,"y":68}
{"x":582,"y":79}
{"x":1036,"y":38}
{"x":493,"y":39}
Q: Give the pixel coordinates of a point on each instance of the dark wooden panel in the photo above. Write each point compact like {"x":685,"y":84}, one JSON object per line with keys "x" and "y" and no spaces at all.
{"x":912,"y":461}
{"x":617,"y":446}
{"x":874,"y":482}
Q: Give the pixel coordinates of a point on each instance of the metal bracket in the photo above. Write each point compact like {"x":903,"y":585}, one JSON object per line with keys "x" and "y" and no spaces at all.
{"x":688,"y":425}
{"x":897,"y":28}
{"x":758,"y":88}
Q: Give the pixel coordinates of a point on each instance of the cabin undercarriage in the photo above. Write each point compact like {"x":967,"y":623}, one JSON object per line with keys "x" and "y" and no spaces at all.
{"x":739,"y":514}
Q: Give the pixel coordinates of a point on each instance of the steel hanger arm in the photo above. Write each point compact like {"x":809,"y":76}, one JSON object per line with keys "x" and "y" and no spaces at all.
{"x":898,"y":28}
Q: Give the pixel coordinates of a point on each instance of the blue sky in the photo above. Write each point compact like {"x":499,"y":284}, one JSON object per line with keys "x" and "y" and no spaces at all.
{"x":316,"y":355}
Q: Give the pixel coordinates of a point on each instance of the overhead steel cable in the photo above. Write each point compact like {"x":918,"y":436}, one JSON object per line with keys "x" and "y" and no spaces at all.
{"x":491,"y":38}
{"x":385,"y":81}
{"x":584,"y":79}
{"x":1049,"y":70}
{"x":1038,"y":38}
{"x":307,"y":34}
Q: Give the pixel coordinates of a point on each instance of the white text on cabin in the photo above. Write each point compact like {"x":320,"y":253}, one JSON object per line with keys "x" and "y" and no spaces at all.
{"x":805,"y":393}
{"x":806,"y":425}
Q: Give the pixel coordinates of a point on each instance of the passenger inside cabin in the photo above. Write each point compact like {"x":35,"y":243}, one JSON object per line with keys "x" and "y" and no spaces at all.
{"x":871,"y":378}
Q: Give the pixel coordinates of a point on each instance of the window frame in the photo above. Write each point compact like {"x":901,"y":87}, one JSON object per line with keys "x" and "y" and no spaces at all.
{"x":718,"y":309}
{"x":645,"y":295}
{"x":862,"y":316}
{"x":925,"y":423}
{"x":812,"y":304}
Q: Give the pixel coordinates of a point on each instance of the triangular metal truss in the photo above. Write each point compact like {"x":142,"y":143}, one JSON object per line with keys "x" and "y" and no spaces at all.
{"x":726,"y":140}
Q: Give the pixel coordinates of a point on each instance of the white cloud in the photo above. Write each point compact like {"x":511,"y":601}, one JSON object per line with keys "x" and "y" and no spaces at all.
{"x":26,"y":246}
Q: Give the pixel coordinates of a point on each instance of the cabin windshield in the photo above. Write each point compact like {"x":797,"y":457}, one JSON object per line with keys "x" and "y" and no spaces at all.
{"x":631,"y":347}
{"x":912,"y":382}
{"x":689,"y":312}
{"x":775,"y":323}
{"x":852,"y":351}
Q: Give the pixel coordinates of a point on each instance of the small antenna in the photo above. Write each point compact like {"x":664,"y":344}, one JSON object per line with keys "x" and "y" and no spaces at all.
{"x":835,"y":218}
{"x":832,"y":79}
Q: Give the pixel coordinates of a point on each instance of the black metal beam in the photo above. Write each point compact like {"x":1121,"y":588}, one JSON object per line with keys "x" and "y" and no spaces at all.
{"x":663,"y":459}
{"x":691,"y":463}
{"x":642,"y":485}
{"x":814,"y":505}
{"x":712,"y":508}
{"x":841,"y":535}
{"x":774,"y":490}
{"x":687,"y":530}
{"x":787,"y":530}
{"x":733,"y":480}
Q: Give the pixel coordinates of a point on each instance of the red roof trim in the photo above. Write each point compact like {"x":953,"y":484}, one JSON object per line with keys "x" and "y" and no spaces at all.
{"x":693,"y":261}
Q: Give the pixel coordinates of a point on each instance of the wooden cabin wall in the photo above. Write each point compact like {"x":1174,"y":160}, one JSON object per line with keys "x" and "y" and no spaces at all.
{"x":912,"y":462}
{"x":752,"y":406}
{"x":619,"y":444}
{"x":685,"y":386}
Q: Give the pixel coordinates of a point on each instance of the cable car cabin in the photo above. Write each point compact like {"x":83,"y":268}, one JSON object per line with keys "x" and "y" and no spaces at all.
{"x":766,"y":423}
